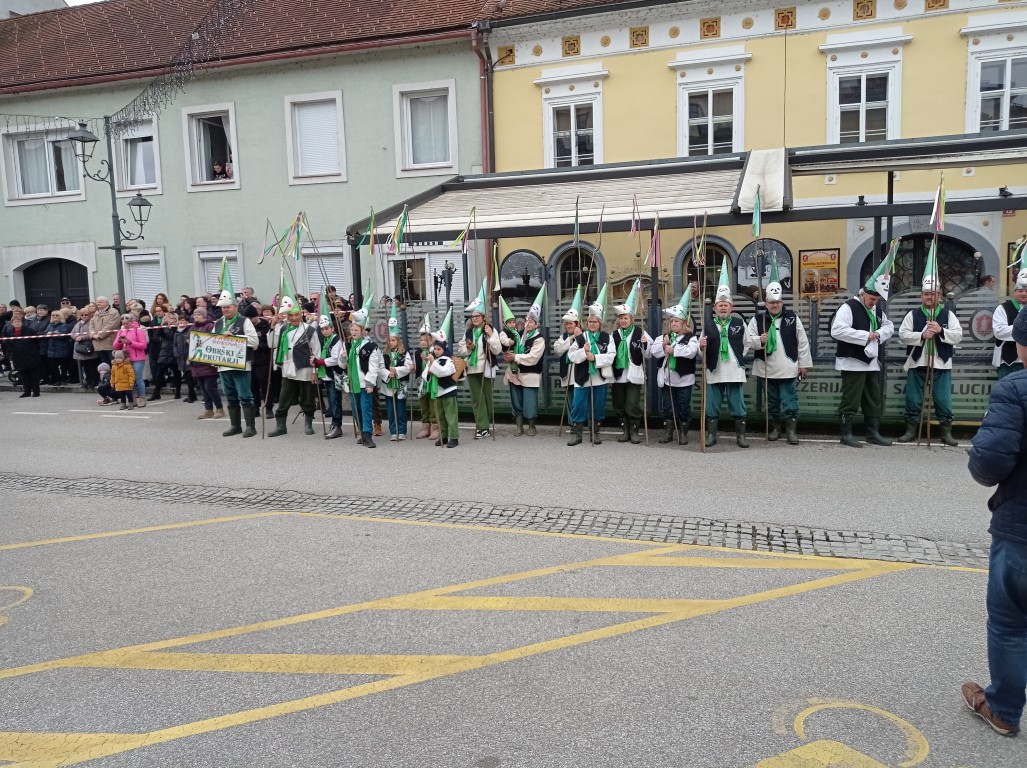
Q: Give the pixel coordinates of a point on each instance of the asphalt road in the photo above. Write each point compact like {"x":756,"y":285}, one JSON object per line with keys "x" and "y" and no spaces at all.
{"x":819,"y":484}
{"x":195,"y":635}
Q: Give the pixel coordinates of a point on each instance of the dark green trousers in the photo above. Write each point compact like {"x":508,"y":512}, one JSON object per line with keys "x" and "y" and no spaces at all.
{"x":861,"y":390}
{"x":626,"y":401}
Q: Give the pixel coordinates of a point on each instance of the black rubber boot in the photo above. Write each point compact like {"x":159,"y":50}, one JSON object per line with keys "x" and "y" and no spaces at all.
{"x":280,"y":427}
{"x":596,"y":438}
{"x":366,"y":441}
{"x":946,"y":436}
{"x":625,"y":431}
{"x":711,"y":432}
{"x":249,"y":416}
{"x":453,"y":444}
{"x":634,"y":427}
{"x":575,"y":438}
{"x":308,"y":423}
{"x":874,"y":435}
{"x":740,"y":433}
{"x":531,"y":428}
{"x":520,"y":426}
{"x":847,"y":438}
{"x":155,"y":395}
{"x":910,"y":434}
{"x":668,"y":435}
{"x":792,"y":430}
{"x":775,"y":430}
{"x":682,"y":433}
{"x":235,"y":418}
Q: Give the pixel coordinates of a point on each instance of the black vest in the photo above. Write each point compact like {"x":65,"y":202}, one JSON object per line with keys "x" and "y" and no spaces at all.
{"x":363,"y":356}
{"x":735,"y":335}
{"x":860,"y":322}
{"x":445,"y":382}
{"x":788,"y":333}
{"x":683,"y":366}
{"x":302,"y":350}
{"x":1008,"y":354}
{"x":634,"y":346}
{"x":581,"y":369}
{"x":539,"y":365}
{"x":235,"y":328}
{"x":919,"y":323}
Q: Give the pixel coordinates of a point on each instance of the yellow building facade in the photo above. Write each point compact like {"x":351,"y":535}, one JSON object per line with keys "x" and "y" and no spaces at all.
{"x":695,"y":79}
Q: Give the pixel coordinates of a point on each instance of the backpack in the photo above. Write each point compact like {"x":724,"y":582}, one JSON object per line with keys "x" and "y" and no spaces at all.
{"x":461,"y":368}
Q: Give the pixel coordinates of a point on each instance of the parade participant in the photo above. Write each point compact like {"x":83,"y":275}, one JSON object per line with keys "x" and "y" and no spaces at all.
{"x":480,"y":346}
{"x":328,"y":364}
{"x":235,"y":382}
{"x":261,"y":376}
{"x":429,"y":420}
{"x":363,"y":368}
{"x":591,"y":353}
{"x":396,"y":366}
{"x":999,"y":458}
{"x":930,"y":332}
{"x":675,"y":378}
{"x":778,"y":334}
{"x":524,"y":357}
{"x":294,"y":344}
{"x":724,"y":346}
{"x":632,"y":345}
{"x":441,"y":386}
{"x":860,"y":327}
{"x":571,"y":324}
{"x":1005,"y":359}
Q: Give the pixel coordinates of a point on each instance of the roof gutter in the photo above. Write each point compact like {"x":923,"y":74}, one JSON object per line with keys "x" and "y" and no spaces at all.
{"x":328,"y":50}
{"x":583,"y":11}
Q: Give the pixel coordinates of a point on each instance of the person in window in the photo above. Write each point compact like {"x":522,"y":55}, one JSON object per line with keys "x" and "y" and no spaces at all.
{"x":221,"y":171}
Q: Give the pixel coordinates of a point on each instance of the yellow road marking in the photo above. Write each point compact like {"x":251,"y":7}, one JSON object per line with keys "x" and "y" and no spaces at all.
{"x":917,"y":747}
{"x":271,"y":663}
{"x":597,"y":604}
{"x":821,"y":754}
{"x":130,"y":531}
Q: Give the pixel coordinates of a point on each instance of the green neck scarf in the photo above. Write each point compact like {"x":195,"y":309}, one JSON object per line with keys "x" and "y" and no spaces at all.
{"x":431,"y":387}
{"x":518,"y":341}
{"x":771,"y":334}
{"x":325,"y":346}
{"x":672,"y":361}
{"x":725,"y":352}
{"x":394,"y":360}
{"x":874,"y":325}
{"x":283,"y":344}
{"x":1016,"y":304}
{"x":623,"y":358}
{"x":930,"y":314}
{"x":592,"y":339}
{"x":475,"y":335}
{"x":353,"y":367}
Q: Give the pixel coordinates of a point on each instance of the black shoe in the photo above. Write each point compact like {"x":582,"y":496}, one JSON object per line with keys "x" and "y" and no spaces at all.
{"x":35,"y":394}
{"x":453,"y":444}
{"x":25,"y":394}
{"x":481,"y":434}
{"x":439,"y":444}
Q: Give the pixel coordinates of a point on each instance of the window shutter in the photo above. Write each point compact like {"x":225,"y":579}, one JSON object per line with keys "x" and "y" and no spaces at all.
{"x":145,"y":280}
{"x":317,"y":138}
{"x":212,"y":272}
{"x":334,"y":265}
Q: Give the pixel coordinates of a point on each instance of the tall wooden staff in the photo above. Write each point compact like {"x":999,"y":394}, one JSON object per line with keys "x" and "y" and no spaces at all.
{"x":699,"y":258}
{"x":938,"y":225}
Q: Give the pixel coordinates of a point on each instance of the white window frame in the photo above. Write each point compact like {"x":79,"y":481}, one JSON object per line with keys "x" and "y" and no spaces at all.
{"x":834,"y":119}
{"x":736,"y":84}
{"x":203,"y":253}
{"x":401,"y":95}
{"x":333,"y":248}
{"x":189,"y":117}
{"x":291,"y":144}
{"x":151,"y":254}
{"x":570,"y":86}
{"x":865,"y":53}
{"x":10,"y":173}
{"x":594,"y":101}
{"x":997,"y":49}
{"x":121,"y":166}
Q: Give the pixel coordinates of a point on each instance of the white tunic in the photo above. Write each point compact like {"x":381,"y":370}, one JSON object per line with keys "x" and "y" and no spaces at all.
{"x":602,"y":361}
{"x":842,"y":330}
{"x":633,"y":374}
{"x":560,"y":348}
{"x":680,"y":349}
{"x":1003,"y":331}
{"x":952,"y":334}
{"x":402,"y":371}
{"x":781,"y":367}
{"x":481,"y":366}
{"x":730,"y":371}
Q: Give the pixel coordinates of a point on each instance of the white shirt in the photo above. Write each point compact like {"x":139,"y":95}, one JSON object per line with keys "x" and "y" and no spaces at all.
{"x":953,"y":334}
{"x":842,"y":330}
{"x":781,"y":367}
{"x":680,"y":348}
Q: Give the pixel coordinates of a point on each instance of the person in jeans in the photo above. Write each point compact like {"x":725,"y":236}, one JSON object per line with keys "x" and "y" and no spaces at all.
{"x":206,"y":376}
{"x":998,"y":457}
{"x":132,"y":339}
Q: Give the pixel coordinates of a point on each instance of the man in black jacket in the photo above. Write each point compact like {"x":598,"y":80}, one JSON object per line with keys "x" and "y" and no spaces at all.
{"x":999,"y":457}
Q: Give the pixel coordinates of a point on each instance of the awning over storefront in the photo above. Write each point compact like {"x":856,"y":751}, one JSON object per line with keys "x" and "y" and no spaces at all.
{"x":537,"y":203}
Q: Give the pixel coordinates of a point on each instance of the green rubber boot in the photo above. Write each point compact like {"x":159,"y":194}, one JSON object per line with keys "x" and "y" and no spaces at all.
{"x":249,"y":416}
{"x":235,"y":418}
{"x":280,"y":428}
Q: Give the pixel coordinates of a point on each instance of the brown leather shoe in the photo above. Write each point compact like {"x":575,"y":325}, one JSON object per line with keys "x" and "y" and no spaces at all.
{"x":977,"y":702}
{"x":377,"y":429}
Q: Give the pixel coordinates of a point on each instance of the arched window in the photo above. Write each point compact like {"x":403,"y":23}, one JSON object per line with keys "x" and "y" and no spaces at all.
{"x":521,"y":275}
{"x":750,"y":280}
{"x":576,"y":266}
{"x":715,"y":256}
{"x":957,"y":267}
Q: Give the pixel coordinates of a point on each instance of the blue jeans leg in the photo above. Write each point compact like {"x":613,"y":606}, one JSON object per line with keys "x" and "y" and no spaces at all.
{"x":1007,"y":629}
{"x":397,"y":415}
{"x":530,"y":395}
{"x":517,"y":399}
{"x":139,"y":366}
{"x":367,"y":411}
{"x":334,"y":402}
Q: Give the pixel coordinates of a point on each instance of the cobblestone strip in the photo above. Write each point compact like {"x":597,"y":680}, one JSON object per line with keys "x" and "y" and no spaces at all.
{"x":731,"y":534}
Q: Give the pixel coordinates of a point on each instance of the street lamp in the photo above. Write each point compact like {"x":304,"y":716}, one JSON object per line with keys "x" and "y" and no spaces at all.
{"x":85,"y":142}
{"x":445,"y":279}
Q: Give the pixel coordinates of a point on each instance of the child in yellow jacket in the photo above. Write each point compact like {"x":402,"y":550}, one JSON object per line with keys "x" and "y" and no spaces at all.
{"x":123,"y":379}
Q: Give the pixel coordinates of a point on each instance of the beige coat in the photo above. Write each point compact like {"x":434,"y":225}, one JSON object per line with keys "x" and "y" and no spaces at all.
{"x":105,"y":325}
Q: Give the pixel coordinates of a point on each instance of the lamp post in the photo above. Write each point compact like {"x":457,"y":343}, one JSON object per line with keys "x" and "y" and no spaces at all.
{"x":85,"y":142}
{"x":444,"y":279}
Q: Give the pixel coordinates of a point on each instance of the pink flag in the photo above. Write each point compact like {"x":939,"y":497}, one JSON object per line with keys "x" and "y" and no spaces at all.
{"x":654,"y":245}
{"x":634,"y":215}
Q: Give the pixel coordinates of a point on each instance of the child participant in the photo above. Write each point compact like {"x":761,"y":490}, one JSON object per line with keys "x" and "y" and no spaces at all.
{"x":676,"y":376}
{"x":632,"y":346}
{"x":363,"y":368}
{"x":480,"y":346}
{"x":524,"y":355}
{"x":392,"y":380}
{"x":441,"y":386}
{"x":328,"y":367}
{"x":429,"y":421}
{"x":592,"y":354}
{"x":123,"y":379}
